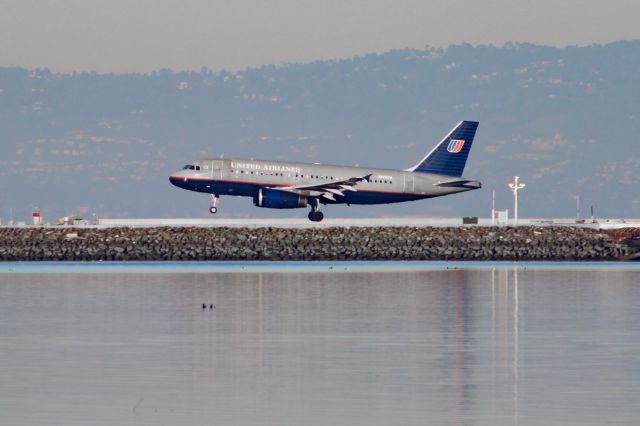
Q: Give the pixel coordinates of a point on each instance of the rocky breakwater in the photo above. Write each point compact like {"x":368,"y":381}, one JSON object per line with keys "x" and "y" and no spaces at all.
{"x":175,"y":244}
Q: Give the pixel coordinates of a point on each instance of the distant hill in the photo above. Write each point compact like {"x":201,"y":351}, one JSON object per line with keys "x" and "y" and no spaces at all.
{"x":564,"y":119}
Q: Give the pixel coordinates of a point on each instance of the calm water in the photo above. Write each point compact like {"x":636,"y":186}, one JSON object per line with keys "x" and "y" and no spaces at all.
{"x":319,"y":344}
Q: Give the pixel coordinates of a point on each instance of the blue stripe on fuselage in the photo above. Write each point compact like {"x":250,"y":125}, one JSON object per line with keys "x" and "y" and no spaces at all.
{"x":250,"y":189}
{"x":373,"y":197}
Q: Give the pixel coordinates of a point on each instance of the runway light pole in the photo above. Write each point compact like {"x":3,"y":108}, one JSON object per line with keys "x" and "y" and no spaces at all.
{"x":577,"y":197}
{"x":515,"y":187}
{"x":493,"y":207}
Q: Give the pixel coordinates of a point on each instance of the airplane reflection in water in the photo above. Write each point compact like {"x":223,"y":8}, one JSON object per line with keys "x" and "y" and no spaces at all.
{"x":448,"y":339}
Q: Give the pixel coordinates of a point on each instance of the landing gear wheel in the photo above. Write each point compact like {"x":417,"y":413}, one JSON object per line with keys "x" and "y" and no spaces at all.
{"x":214,"y":204}
{"x":316,"y":216}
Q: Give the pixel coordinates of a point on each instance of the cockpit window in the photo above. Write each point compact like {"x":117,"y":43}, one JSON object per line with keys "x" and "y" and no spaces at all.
{"x":191,"y":167}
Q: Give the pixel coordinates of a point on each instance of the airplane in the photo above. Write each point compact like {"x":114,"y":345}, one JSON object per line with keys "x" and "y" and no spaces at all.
{"x":289,"y":185}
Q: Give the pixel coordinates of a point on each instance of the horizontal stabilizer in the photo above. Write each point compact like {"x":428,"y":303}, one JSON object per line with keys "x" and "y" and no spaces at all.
{"x":460,"y":183}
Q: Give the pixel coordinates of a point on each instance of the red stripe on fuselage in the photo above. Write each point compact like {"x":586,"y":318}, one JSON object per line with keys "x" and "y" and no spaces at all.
{"x":230,"y":181}
{"x":280,"y":184}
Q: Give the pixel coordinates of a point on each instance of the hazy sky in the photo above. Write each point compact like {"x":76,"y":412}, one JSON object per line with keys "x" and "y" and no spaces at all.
{"x":143,"y":35}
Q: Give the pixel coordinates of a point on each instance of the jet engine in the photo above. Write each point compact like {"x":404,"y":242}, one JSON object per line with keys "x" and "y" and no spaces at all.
{"x":275,"y":199}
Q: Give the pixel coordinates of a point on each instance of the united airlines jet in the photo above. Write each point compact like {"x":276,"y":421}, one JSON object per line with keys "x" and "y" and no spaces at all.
{"x":284,"y":185}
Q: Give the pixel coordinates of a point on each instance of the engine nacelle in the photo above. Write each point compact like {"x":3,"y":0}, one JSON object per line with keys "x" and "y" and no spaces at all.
{"x":274,"y":199}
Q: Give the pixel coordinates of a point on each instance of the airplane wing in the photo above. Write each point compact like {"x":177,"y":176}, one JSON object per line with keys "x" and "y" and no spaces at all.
{"x":327,"y":190}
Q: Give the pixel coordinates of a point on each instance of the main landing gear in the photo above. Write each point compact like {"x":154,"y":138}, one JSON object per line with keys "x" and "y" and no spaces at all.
{"x":315,"y":215}
{"x":214,"y":204}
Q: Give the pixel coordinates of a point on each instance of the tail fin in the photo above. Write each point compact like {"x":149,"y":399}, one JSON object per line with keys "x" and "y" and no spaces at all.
{"x":450,"y":155}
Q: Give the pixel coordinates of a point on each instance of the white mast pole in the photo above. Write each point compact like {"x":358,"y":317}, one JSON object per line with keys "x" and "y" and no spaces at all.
{"x":515,"y":187}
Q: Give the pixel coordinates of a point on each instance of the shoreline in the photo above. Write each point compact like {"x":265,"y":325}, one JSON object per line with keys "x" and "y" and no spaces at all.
{"x":174,"y":244}
{"x":303,"y":267}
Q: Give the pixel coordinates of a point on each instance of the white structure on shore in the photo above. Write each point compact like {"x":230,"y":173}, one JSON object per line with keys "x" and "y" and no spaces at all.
{"x":515,"y":187}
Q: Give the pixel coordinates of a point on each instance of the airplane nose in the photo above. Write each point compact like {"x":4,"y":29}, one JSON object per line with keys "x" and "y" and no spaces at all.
{"x":177,"y":180}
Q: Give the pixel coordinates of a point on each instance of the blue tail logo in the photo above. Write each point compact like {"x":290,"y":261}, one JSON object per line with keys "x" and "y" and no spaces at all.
{"x":455,"y":146}
{"x":450,"y":156}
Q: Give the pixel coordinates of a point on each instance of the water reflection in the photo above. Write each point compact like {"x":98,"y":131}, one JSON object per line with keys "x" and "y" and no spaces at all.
{"x":505,"y":304}
{"x":504,"y":345}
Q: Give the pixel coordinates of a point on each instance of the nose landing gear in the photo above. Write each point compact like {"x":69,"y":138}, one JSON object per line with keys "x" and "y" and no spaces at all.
{"x":214,"y":204}
{"x":315,"y":215}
